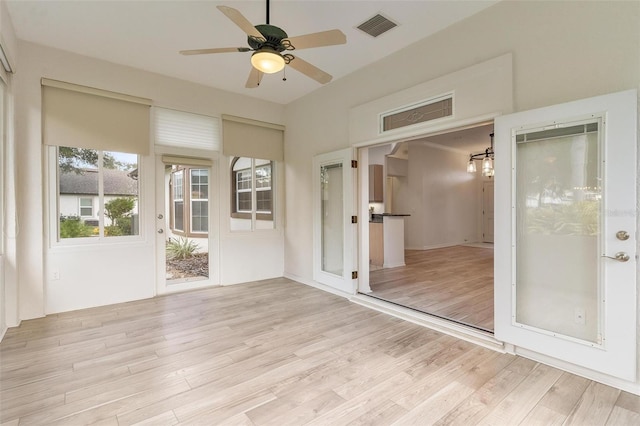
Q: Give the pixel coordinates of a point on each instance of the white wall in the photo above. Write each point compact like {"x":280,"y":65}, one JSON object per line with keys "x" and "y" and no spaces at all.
{"x":137,"y":278}
{"x":562,"y":51}
{"x":441,"y":198}
{"x":548,"y":41}
{"x":8,"y":262}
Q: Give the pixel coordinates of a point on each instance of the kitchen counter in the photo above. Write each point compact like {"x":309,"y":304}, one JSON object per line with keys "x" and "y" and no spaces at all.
{"x":378,"y":217}
{"x":386,"y":239}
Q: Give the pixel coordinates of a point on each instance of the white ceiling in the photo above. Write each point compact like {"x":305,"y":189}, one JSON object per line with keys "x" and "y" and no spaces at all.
{"x":472,"y":140}
{"x":148,"y":35}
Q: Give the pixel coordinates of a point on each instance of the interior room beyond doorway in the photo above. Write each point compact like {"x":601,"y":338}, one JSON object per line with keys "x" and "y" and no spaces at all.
{"x":431,"y":225}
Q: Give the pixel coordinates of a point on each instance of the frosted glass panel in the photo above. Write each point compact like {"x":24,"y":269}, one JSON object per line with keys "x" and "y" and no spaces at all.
{"x":559,"y":196}
{"x":332,"y":222}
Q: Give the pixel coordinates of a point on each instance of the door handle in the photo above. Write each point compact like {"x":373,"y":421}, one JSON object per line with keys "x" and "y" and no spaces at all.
{"x":619,"y":256}
{"x":160,"y":231}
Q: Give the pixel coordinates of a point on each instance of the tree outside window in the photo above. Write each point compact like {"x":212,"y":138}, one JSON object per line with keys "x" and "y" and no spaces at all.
{"x":97,"y":193}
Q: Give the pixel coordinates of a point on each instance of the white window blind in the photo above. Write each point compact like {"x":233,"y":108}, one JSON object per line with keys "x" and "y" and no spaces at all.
{"x":85,"y":117}
{"x":253,"y":139}
{"x":186,"y":130}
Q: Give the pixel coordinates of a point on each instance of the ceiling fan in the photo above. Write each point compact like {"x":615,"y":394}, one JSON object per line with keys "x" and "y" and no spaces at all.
{"x":269,"y":44}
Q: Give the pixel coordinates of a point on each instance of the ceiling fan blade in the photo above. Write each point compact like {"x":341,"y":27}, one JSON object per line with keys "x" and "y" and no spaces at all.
{"x":310,"y":70}
{"x":239,"y":19}
{"x":323,"y":38}
{"x":255,"y":77}
{"x":214,"y":50}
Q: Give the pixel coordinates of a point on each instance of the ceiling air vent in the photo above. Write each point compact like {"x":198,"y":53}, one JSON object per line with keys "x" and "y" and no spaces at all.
{"x":377,"y":25}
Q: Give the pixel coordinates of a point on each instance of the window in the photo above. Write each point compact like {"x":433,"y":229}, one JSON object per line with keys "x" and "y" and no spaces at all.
{"x":88,"y":178}
{"x":86,"y":207}
{"x":252,"y":194}
{"x":199,"y":200}
{"x":190,"y":200}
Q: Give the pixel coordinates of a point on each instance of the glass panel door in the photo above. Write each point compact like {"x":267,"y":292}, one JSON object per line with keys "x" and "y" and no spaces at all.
{"x":565,"y":236}
{"x":334,"y":233}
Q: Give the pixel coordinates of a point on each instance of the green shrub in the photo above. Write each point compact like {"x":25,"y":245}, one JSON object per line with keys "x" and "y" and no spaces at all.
{"x":113,"y":231}
{"x":124,"y":225}
{"x":73,"y":227}
{"x":182,"y":248}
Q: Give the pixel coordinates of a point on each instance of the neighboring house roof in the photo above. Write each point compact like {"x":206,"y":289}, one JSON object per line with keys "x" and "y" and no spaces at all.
{"x":116,"y":182}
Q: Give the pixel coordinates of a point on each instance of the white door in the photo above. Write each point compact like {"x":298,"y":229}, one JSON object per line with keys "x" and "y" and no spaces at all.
{"x":186,"y":237}
{"x":565,"y":284}
{"x":487,"y":212}
{"x":334,"y":254}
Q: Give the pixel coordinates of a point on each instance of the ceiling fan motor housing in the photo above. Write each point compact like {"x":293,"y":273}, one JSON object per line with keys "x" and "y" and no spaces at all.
{"x":273,"y":37}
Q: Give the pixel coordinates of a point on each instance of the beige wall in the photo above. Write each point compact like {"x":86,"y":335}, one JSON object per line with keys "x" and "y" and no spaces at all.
{"x":561,"y":51}
{"x":441,"y":198}
{"x":36,"y":294}
{"x":8,"y":259}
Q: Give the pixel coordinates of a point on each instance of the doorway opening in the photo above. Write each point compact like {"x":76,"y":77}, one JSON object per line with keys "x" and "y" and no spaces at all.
{"x":431,"y":226}
{"x":186,"y":215}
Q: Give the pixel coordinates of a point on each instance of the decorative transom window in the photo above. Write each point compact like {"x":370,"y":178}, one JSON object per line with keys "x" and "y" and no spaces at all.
{"x":428,"y":110}
{"x":189,"y":201}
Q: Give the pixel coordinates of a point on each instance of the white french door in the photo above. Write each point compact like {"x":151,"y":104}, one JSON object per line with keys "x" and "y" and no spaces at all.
{"x":334,"y":234}
{"x":565,"y":234}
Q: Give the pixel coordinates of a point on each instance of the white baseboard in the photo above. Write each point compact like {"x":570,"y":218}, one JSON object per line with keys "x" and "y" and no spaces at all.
{"x":437,"y":246}
{"x":394,"y":265}
{"x":587,"y":373}
{"x":317,"y":285}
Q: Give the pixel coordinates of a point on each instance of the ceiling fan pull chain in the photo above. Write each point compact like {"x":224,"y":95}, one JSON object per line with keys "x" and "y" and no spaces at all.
{"x":284,"y":74}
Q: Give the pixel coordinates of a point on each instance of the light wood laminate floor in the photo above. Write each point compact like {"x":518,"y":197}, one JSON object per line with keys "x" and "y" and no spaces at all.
{"x":452,"y":282}
{"x":277,"y":353}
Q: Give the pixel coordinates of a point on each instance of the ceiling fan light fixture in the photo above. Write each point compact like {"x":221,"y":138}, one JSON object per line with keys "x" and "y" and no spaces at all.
{"x":268,"y":61}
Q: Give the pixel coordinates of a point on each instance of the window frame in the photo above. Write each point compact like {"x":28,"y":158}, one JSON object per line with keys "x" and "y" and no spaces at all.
{"x":192,"y":200}
{"x":53,"y":201}
{"x":174,"y":200}
{"x":80,"y":206}
{"x":187,"y":201}
{"x":236,"y":213}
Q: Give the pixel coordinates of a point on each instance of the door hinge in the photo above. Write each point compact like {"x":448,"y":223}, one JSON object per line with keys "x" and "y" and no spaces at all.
{"x":354,"y":164}
{"x":354,"y":275}
{"x":354,"y":219}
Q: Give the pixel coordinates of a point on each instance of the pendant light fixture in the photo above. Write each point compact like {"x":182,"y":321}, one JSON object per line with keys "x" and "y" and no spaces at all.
{"x":487,"y":161}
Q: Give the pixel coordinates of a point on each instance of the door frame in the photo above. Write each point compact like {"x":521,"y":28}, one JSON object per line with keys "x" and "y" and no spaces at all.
{"x":164,"y":223}
{"x":363,"y":184}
